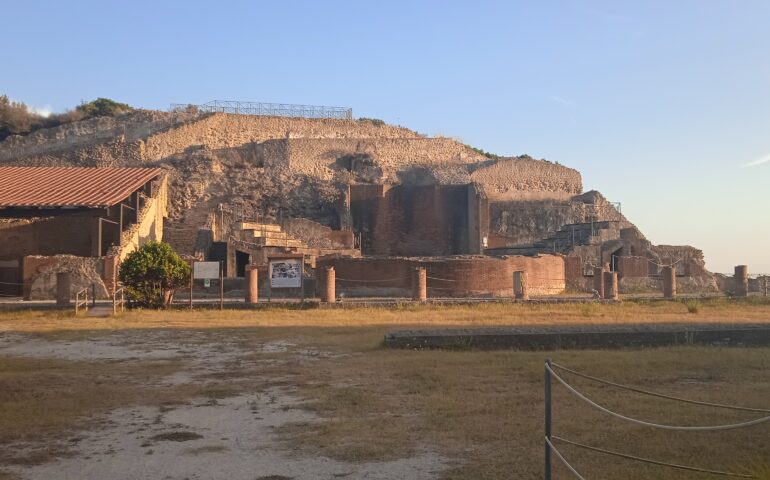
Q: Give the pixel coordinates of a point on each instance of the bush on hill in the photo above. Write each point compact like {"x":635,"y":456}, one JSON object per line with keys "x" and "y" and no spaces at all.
{"x":16,"y":118}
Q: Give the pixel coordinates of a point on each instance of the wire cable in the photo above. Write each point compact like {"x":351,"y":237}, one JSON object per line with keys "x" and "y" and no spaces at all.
{"x":563,"y":460}
{"x":651,"y":424}
{"x":654,"y":462}
{"x":659,"y":395}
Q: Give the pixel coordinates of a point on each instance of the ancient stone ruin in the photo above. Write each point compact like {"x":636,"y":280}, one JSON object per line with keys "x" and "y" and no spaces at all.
{"x":371,"y":200}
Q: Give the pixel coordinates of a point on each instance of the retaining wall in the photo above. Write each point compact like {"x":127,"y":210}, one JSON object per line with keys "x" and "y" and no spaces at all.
{"x":447,"y":276}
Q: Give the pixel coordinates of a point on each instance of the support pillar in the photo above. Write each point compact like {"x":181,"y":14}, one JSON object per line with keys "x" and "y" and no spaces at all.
{"x":329,"y":290}
{"x":741,"y":281}
{"x":599,"y":281}
{"x":420,"y":285}
{"x":63,"y":289}
{"x":610,"y":285}
{"x":252,"y":284}
{"x":520,"y":286}
{"x":669,"y":282}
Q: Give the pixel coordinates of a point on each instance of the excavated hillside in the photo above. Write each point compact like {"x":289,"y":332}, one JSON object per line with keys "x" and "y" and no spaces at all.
{"x":275,"y":167}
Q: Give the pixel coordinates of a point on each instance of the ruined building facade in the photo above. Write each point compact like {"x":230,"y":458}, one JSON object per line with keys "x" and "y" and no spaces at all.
{"x":241,"y":188}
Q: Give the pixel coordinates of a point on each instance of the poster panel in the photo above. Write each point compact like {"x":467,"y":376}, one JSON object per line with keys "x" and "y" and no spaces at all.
{"x":286,"y":273}
{"x":204,"y":270}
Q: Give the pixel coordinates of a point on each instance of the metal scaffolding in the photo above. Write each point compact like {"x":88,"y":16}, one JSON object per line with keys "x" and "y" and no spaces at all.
{"x":268,"y":109}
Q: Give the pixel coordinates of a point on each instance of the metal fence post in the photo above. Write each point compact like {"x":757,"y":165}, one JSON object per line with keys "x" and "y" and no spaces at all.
{"x":547,"y":418}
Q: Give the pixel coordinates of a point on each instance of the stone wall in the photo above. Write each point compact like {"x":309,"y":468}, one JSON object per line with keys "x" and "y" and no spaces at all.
{"x":527,"y":221}
{"x":124,"y":129}
{"x":39,"y":274}
{"x":222,"y":130}
{"x":629,"y":267}
{"x":315,"y":235}
{"x":525,"y":178}
{"x":150,"y":226}
{"x":413,"y":220}
{"x":320,"y":158}
{"x":447,"y":276}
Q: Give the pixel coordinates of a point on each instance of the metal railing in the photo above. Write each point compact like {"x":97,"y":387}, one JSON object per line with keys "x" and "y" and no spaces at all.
{"x":267,"y":109}
{"x":81,"y":300}
{"x":118,"y":300}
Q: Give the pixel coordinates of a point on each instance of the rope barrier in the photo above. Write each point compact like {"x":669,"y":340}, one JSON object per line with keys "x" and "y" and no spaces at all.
{"x":654,"y":462}
{"x":371,"y":281}
{"x":563,"y":460}
{"x":659,"y":395}
{"x":10,"y":283}
{"x":651,"y":424}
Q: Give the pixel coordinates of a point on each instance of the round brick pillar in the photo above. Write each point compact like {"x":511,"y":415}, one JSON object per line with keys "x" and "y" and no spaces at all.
{"x":520,"y":286}
{"x":669,"y":282}
{"x":420,"y":285}
{"x":63,"y":288}
{"x":252,"y":284}
{"x":599,"y":281}
{"x":742,"y":280}
{"x":329,"y":288}
{"x":611,"y":285}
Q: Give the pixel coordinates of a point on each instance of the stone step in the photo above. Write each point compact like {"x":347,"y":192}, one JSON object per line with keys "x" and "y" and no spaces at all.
{"x":266,"y":227}
{"x":250,"y":233}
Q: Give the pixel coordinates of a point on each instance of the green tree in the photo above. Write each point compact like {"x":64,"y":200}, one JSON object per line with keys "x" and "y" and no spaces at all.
{"x":152,"y":273}
{"x":104,"y":107}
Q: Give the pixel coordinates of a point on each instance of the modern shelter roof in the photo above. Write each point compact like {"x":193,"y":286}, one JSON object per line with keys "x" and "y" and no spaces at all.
{"x":52,"y":187}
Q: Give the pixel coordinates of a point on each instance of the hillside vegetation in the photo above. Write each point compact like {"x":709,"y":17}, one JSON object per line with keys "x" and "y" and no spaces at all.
{"x":16,"y":118}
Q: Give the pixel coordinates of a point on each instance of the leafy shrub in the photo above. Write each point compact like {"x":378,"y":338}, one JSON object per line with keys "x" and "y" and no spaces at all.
{"x":374,"y":121}
{"x":692,"y":306}
{"x":103,"y":107}
{"x":152,"y":273}
{"x":492,"y":156}
{"x":17,"y":119}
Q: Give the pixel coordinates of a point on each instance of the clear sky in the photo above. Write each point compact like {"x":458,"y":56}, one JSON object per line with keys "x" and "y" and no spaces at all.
{"x":662,"y":105}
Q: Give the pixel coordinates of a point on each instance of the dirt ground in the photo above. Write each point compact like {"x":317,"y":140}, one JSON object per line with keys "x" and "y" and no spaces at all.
{"x":307,"y":394}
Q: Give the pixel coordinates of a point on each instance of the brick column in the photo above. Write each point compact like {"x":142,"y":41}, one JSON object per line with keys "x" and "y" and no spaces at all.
{"x":742,"y":281}
{"x":63,"y":288}
{"x":669,"y":282}
{"x":252,"y":284}
{"x":520,"y":287}
{"x":610,"y":285}
{"x":329,"y":289}
{"x":599,"y":280}
{"x":420,"y":285}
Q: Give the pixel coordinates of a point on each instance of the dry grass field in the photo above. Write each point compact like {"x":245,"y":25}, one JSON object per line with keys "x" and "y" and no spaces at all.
{"x":357,"y":405}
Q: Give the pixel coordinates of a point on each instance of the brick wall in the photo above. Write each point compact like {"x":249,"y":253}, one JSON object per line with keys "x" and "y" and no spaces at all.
{"x":628,"y":267}
{"x":419,"y":220}
{"x":448,"y":276}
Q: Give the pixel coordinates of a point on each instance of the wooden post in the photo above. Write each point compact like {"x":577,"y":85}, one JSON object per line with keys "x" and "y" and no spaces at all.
{"x":741,"y":281}
{"x":63,"y":288}
{"x":252,"y":284}
{"x":548,"y":406}
{"x":221,"y":286}
{"x":520,"y":287}
{"x":329,"y":290}
{"x":669,"y":282}
{"x":420,"y":285}
{"x":610,"y":285}
{"x":192,"y":278}
{"x":599,"y":281}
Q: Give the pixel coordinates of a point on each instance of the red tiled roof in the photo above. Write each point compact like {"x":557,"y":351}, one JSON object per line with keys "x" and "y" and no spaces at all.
{"x":70,"y":186}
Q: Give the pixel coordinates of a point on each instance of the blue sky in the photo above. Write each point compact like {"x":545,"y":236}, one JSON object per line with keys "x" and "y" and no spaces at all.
{"x":659,"y":104}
